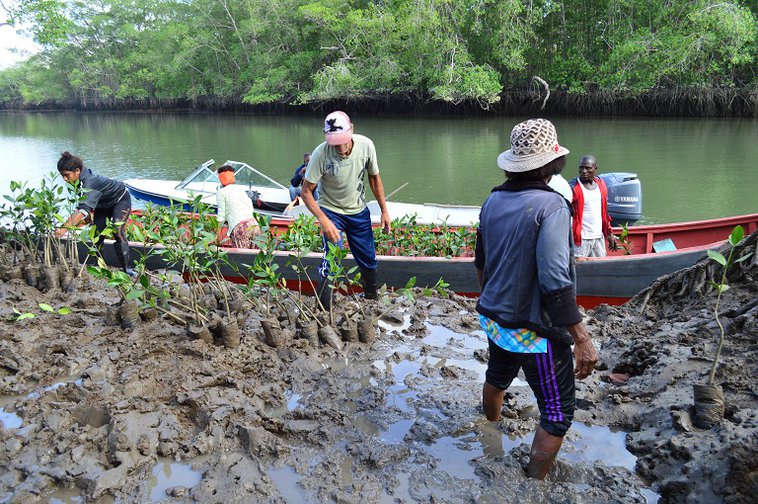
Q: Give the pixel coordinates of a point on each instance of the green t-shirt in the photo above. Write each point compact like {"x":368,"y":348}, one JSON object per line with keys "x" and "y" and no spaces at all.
{"x":342,"y":187}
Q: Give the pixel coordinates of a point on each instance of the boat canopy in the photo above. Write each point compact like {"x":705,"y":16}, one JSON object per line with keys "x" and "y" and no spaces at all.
{"x":204,"y":178}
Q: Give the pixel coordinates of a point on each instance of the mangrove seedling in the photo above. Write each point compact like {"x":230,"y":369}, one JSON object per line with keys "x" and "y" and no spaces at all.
{"x":709,"y":397}
{"x":735,"y":237}
{"x":624,"y":240}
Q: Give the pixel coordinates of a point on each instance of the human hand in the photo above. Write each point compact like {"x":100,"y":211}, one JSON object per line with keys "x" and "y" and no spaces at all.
{"x":331,"y":233}
{"x":60,"y":233}
{"x":386,"y":221}
{"x":613,"y":243}
{"x":585,"y":357}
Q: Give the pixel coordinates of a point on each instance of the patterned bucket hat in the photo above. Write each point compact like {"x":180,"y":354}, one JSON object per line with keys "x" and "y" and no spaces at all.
{"x":534,"y":143}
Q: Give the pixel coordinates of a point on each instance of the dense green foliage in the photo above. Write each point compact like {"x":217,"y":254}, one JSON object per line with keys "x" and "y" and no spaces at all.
{"x":155,"y":52}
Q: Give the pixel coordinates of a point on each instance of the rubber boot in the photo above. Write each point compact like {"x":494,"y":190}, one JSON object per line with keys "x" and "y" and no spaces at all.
{"x":368,"y":280}
{"x":122,"y":254}
{"x":545,"y":447}
{"x":324,"y":293}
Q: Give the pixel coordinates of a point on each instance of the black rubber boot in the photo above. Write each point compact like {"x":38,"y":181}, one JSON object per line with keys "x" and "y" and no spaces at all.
{"x":324,"y":293}
{"x":368,"y":280}
{"x":122,"y":254}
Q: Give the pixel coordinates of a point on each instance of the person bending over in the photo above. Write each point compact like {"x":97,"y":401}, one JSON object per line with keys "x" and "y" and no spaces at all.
{"x":101,"y":198}
{"x":236,"y":209}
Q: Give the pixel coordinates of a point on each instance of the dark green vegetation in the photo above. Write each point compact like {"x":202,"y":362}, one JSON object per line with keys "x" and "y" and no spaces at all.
{"x":597,"y":56}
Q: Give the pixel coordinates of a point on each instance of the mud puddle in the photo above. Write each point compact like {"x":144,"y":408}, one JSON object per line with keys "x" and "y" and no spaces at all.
{"x":409,"y":418}
{"x":171,"y":479}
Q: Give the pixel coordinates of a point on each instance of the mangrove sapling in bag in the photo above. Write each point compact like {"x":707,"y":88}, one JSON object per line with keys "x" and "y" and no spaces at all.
{"x":329,"y":336}
{"x":200,"y":332}
{"x":709,"y":397}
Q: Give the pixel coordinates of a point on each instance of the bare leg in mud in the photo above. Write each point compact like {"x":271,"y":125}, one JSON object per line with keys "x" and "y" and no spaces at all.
{"x":544,"y":449}
{"x":545,"y":446}
{"x":492,"y":401}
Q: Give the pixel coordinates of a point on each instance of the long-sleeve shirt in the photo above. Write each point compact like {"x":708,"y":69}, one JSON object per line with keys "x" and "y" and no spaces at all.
{"x":523,"y":250}
{"x":234,"y":205}
{"x":99,"y":191}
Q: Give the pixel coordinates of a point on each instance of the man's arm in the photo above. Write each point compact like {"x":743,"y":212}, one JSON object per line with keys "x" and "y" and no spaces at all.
{"x":375,"y":182}
{"x":327,"y":226}
{"x":221,"y":204}
{"x":73,"y":220}
{"x":558,"y":292}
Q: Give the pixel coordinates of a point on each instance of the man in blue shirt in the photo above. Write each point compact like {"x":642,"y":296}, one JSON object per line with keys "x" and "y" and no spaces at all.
{"x":296,"y":184}
{"x":527,"y":306}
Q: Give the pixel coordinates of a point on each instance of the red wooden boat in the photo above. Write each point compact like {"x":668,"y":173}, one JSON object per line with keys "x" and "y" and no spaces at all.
{"x":655,"y":250}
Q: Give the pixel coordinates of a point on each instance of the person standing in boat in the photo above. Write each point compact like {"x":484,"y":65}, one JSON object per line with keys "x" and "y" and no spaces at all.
{"x":236,"y":209}
{"x":527,"y":307}
{"x":296,"y":183}
{"x":103,"y":198}
{"x":592,"y":223}
{"x":338,"y":166}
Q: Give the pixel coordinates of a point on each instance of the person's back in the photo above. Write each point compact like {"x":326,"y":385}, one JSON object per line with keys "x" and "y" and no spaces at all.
{"x":237,"y":205}
{"x":527,"y":307}
{"x":510,"y":226}
{"x":236,"y":209}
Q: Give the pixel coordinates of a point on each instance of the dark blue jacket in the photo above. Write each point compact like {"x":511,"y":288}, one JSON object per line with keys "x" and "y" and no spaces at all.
{"x":524,"y":251}
{"x":99,"y":191}
{"x":297,"y":179}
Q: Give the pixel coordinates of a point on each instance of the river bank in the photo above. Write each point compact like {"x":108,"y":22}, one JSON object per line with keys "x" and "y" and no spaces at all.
{"x":528,"y":101}
{"x":103,"y":414}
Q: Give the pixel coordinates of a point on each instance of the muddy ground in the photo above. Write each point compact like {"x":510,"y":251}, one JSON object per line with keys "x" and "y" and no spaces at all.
{"x":96,"y":413}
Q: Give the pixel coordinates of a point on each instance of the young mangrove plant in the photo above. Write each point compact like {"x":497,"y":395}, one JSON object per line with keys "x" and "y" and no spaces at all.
{"x":30,"y":223}
{"x":409,"y":238}
{"x":709,"y":397}
{"x":735,"y":237}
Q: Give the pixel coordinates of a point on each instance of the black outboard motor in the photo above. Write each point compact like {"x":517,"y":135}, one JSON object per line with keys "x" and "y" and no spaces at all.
{"x":624,"y":197}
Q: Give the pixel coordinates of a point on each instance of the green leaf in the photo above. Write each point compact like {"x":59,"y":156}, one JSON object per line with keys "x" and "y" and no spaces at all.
{"x":64,"y":310}
{"x":723,"y":288}
{"x":135,"y":294}
{"x":411,"y":283}
{"x":26,"y":316}
{"x":46,"y":307}
{"x":737,"y":234}
{"x":716,"y":256}
{"x":744,"y":258}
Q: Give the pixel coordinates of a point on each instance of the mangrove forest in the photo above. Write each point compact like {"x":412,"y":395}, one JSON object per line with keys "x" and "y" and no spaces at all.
{"x":676,"y":57}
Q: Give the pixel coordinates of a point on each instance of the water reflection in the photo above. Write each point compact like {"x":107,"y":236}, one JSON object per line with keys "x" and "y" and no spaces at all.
{"x":708,"y":164}
{"x":9,"y":420}
{"x":167,"y":474}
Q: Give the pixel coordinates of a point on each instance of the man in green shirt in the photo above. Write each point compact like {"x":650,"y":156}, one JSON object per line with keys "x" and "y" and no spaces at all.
{"x":340,"y":165}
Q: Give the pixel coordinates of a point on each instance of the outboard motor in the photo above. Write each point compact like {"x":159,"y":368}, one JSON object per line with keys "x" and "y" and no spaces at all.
{"x":624,"y":197}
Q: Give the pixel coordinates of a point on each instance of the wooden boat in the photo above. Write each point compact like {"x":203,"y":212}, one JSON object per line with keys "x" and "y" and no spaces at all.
{"x":655,"y":250}
{"x":272,"y":198}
